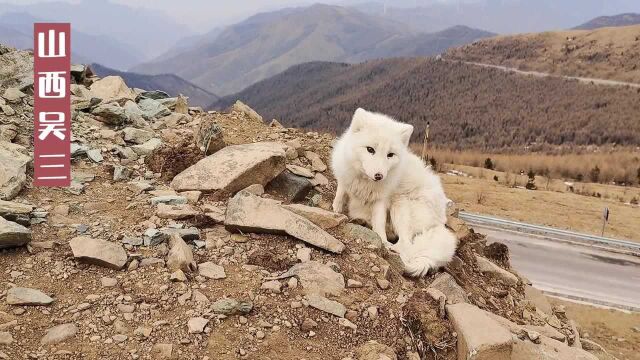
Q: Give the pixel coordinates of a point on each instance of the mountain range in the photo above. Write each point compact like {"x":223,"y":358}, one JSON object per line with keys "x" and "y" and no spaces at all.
{"x":611,"y":21}
{"x":499,"y":16}
{"x":269,"y":43}
{"x":127,"y":34}
{"x":169,"y":83}
{"x":470,"y":106}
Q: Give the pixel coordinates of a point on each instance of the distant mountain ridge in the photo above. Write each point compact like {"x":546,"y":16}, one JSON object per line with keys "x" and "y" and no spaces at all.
{"x":611,"y":21}
{"x":171,"y":84}
{"x":269,"y":43}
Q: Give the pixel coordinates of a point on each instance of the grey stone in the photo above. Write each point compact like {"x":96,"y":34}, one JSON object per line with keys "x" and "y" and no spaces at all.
{"x":446,"y":284}
{"x":479,"y":335}
{"x":323,"y":218}
{"x":211,"y":271}
{"x":137,"y":136}
{"x":147,"y":148}
{"x":316,"y":278}
{"x":289,"y":186}
{"x":230,"y":306}
{"x":329,"y":306}
{"x":98,"y":252}
{"x":121,"y":173}
{"x":13,"y":95}
{"x":153,"y":109}
{"x":13,"y":234}
{"x":249,"y":213}
{"x":358,"y":232}
{"x":58,"y":334}
{"x":168,"y":199}
{"x":239,"y":106}
{"x":233,"y":168}
{"x":25,"y":296}
{"x":111,"y":114}
{"x":95,"y":155}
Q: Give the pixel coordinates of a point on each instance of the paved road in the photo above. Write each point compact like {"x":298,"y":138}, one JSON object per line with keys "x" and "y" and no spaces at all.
{"x":541,"y":74}
{"x":573,"y":271}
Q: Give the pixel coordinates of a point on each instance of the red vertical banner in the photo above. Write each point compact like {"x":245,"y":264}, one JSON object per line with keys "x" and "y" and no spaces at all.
{"x":52,"y":104}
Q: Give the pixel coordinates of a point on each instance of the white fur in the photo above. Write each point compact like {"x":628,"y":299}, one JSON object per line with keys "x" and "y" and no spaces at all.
{"x":409,"y":191}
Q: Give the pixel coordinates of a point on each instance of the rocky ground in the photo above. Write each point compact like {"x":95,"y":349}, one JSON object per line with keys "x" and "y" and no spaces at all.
{"x":195,"y":235}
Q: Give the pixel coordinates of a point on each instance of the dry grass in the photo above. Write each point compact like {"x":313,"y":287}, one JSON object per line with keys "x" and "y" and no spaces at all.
{"x":621,"y":167}
{"x":555,"y":207}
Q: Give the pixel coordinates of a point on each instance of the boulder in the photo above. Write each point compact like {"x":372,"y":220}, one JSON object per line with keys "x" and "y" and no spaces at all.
{"x":98,"y":252}
{"x":111,"y":114}
{"x":446,"y":284}
{"x":13,"y":95}
{"x":153,"y":109}
{"x":147,"y":148}
{"x":289,"y":186}
{"x":137,"y":136}
{"x":10,"y":210}
{"x":58,"y":334}
{"x":230,"y":306}
{"x":323,"y":218}
{"x":27,"y":297}
{"x":111,"y":88}
{"x":249,"y":213}
{"x":316,"y":278}
{"x":197,"y":325}
{"x":211,"y":271}
{"x":13,"y":169}
{"x":300,"y":171}
{"x":480,"y":337}
{"x":176,"y":212}
{"x":329,"y":306}
{"x":13,"y":234}
{"x":233,"y":168}
{"x":316,"y":161}
{"x":373,"y":350}
{"x":486,"y":266}
{"x":239,"y":106}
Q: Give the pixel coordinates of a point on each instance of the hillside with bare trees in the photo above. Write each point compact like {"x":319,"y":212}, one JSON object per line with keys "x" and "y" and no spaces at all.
{"x":469,"y":107}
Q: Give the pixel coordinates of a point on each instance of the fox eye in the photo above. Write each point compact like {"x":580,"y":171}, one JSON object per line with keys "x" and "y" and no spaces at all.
{"x":371,"y":150}
{"x":390,"y":155}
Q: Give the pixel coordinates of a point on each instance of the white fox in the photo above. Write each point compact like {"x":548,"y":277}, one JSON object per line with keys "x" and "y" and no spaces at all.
{"x":378,"y":175}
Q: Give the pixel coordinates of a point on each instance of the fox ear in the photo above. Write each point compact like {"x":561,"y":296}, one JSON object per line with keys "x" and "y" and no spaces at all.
{"x":359,"y":120}
{"x":406,"y":131}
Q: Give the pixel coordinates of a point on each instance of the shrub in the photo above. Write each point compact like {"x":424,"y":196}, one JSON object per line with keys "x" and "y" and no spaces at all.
{"x":488,"y":164}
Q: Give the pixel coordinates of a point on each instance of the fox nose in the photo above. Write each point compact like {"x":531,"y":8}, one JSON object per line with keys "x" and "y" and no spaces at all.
{"x":377,"y":177}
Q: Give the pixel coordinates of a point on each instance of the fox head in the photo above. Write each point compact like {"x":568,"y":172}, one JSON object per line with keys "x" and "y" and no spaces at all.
{"x":378,"y":143}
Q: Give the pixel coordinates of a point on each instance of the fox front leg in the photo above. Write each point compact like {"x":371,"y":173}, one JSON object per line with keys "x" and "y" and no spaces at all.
{"x":379,"y":221}
{"x":338,"y":201}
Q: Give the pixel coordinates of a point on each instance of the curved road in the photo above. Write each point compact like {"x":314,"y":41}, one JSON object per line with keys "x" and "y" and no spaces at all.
{"x":541,"y":74}
{"x":573,"y":271}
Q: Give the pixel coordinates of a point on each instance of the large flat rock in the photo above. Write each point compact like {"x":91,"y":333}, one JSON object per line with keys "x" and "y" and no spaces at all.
{"x":111,"y":88}
{"x":480,"y":337}
{"x":98,"y":252}
{"x":249,"y":213}
{"x":13,"y":234}
{"x":233,"y":168}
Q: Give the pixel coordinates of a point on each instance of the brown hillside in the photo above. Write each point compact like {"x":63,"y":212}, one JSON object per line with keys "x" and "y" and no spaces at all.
{"x":468,"y":106}
{"x":608,"y":53}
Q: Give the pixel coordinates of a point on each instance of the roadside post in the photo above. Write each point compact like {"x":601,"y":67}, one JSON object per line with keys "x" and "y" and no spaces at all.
{"x":605,"y":218}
